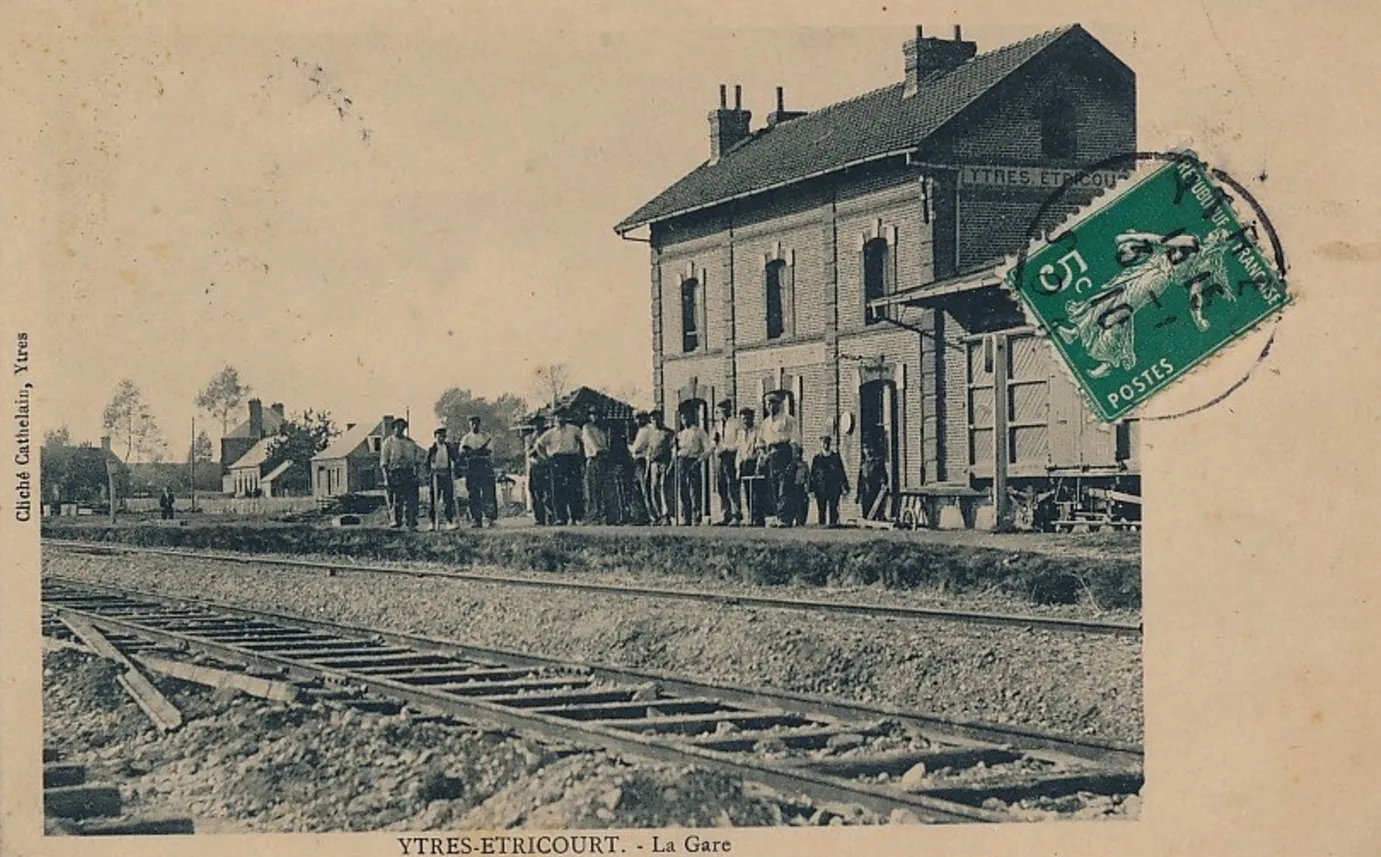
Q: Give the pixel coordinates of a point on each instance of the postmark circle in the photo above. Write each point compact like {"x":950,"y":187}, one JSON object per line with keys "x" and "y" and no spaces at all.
{"x":1046,"y":284}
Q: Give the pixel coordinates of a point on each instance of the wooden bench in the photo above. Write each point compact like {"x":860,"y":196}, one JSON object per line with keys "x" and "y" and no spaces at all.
{"x":920,"y":507}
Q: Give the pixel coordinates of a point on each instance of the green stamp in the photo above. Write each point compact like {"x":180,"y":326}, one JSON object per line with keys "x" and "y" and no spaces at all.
{"x":1148,"y":284}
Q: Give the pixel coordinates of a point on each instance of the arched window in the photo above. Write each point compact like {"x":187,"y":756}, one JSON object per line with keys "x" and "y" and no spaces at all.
{"x":877,"y":275}
{"x":781,"y":301}
{"x":1058,"y":129}
{"x":692,"y":333}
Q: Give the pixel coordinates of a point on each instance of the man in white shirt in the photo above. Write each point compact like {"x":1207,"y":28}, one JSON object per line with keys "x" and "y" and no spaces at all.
{"x":595,"y":441}
{"x":751,"y":468}
{"x":477,"y":458}
{"x":560,"y":445}
{"x":399,"y":458}
{"x":727,"y":438}
{"x":693,"y":448}
{"x":652,"y":449}
{"x":782,"y":438}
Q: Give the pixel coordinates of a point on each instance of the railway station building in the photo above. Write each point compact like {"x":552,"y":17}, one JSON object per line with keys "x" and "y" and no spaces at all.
{"x":849,"y":258}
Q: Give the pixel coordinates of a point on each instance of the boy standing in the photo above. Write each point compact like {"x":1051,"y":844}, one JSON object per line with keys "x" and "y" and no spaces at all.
{"x":828,"y":482}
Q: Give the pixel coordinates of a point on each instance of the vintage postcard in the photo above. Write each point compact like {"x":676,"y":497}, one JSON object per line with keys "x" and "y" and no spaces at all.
{"x":529,"y":429}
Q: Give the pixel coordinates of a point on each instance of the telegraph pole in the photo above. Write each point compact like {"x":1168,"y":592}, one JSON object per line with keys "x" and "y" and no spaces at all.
{"x":192,"y":465}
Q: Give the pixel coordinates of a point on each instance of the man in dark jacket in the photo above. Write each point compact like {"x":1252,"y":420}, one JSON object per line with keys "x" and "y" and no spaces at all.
{"x":442,"y":459}
{"x":828,"y":482}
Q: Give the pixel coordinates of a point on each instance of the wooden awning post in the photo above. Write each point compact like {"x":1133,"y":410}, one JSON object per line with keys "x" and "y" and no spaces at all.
{"x":1002,"y":504}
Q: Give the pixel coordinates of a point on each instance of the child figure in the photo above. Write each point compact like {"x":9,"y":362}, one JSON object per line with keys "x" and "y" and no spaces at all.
{"x":799,"y":507}
{"x":828,"y":482}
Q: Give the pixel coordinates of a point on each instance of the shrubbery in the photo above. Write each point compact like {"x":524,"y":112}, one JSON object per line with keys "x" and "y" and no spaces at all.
{"x":895,"y":563}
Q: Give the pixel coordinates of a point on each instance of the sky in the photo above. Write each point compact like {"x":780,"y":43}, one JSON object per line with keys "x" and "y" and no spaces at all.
{"x":361,"y":207}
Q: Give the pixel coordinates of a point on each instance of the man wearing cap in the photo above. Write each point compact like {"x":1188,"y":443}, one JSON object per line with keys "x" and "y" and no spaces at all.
{"x":595,"y":441}
{"x":693,"y":448}
{"x":653,"y":444}
{"x":560,"y":445}
{"x":442,"y":458}
{"x":727,"y":434}
{"x":750,"y":456}
{"x":539,"y":485}
{"x":399,"y":459}
{"x":479,"y":475}
{"x":782,"y":437}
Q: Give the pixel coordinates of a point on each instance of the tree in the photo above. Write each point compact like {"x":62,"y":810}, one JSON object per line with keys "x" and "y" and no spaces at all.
{"x":630,"y":393}
{"x":550,"y":382}
{"x":74,"y":474}
{"x":58,"y":437}
{"x":223,"y":395}
{"x":128,"y":418}
{"x":497,"y":418}
{"x":299,"y":438}
{"x":200,"y":449}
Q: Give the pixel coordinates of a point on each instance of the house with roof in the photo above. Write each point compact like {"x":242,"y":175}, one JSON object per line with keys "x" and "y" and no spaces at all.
{"x":350,"y":463}
{"x":238,"y":441}
{"x":849,"y":257}
{"x":251,"y":476}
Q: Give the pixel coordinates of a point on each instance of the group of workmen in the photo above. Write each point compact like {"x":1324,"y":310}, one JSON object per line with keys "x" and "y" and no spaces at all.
{"x":405,"y":464}
{"x":579,"y":474}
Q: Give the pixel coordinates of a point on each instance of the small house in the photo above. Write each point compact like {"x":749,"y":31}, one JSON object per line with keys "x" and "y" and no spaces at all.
{"x":250,"y":476}
{"x":351,"y":463}
{"x":240,"y":440}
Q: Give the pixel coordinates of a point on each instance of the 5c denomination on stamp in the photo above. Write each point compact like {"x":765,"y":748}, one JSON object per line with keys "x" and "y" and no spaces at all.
{"x":1148,"y":284}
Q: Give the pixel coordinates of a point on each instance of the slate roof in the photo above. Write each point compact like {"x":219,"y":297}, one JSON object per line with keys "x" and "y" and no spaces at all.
{"x":583,"y":400}
{"x":872,"y":126}
{"x":347,"y":442}
{"x":256,"y":455}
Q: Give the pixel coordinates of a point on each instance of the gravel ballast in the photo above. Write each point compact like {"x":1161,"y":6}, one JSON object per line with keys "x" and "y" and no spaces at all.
{"x":241,"y":765}
{"x":1076,"y":684}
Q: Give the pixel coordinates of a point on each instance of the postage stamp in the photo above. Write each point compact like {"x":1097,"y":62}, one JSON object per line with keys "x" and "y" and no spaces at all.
{"x":1149,"y":283}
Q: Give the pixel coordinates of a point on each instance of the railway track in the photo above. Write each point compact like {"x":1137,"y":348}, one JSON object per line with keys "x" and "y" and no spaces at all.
{"x":879,"y":611}
{"x":882,"y":759}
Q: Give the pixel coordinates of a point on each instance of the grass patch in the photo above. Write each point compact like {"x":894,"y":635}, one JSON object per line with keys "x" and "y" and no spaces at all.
{"x":1037,"y":578}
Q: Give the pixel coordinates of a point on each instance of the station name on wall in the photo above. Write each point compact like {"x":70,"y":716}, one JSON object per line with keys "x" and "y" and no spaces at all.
{"x":1036,"y":177}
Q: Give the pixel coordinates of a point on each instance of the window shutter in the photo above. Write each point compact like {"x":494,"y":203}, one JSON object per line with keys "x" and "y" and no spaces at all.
{"x":889,"y":274}
{"x":798,"y":394}
{"x":789,"y":296}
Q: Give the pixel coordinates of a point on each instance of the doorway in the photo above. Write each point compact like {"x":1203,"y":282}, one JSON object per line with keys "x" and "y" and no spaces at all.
{"x":877,"y":429}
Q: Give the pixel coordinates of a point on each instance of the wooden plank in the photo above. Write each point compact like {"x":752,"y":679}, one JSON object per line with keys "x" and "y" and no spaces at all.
{"x":1017,"y":787}
{"x":700,"y":723}
{"x":133,"y":827}
{"x":897,"y":763}
{"x":58,"y":774}
{"x":85,"y":801}
{"x":263,"y":688}
{"x":162,"y":712}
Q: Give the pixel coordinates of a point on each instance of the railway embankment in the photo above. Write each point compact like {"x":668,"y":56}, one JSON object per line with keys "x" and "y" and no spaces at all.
{"x":1101,"y":569}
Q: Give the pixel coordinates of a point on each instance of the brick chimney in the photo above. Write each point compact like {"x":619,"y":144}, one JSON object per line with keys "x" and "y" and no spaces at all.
{"x":256,"y":419}
{"x":781,"y":114}
{"x":927,"y":55}
{"x":105,"y":442}
{"x":388,"y":424}
{"x":728,"y":127}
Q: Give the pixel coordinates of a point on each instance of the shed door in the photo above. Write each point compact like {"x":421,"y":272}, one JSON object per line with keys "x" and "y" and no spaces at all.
{"x":1028,"y":404}
{"x":1026,"y":398}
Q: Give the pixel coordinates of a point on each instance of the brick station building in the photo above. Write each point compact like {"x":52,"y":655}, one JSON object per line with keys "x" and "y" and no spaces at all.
{"x":847,"y":256}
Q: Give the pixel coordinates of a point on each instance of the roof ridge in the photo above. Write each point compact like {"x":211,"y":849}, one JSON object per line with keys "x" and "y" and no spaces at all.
{"x":1051,"y":33}
{"x":878,"y":123}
